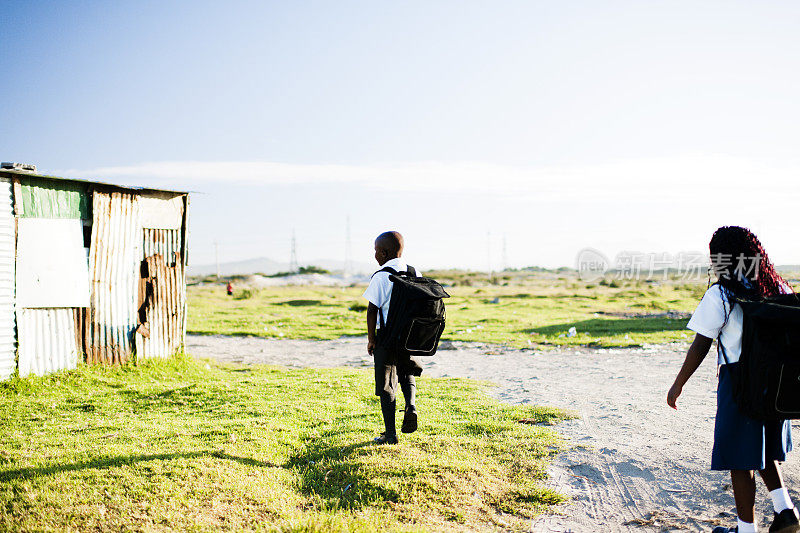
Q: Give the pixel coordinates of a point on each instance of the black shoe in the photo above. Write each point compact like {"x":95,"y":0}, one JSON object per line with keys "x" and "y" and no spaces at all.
{"x":785,"y":522}
{"x":722,"y":529}
{"x":383,"y":439}
{"x":409,"y":420}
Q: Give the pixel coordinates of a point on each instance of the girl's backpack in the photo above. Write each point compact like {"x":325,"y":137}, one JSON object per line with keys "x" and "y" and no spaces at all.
{"x":766,"y":384}
{"x":416,"y":314}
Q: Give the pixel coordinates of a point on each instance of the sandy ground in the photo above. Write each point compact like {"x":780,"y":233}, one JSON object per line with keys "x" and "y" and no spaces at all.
{"x":632,"y":464}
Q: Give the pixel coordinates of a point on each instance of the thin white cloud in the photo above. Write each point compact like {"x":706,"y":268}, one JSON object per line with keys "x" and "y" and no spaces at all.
{"x":655,"y":204}
{"x":631,"y":178}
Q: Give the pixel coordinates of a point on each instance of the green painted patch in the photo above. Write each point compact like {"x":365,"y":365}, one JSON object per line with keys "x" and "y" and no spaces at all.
{"x":46,"y":198}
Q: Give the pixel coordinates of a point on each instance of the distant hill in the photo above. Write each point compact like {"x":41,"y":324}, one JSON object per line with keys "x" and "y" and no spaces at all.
{"x":334,"y":265}
{"x":264,"y":265}
{"x":248,"y":266}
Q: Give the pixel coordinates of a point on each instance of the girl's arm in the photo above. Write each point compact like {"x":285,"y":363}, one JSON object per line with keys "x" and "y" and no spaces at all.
{"x":697,"y":352}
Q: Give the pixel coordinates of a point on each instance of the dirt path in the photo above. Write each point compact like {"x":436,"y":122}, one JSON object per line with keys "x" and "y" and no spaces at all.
{"x":632,"y":464}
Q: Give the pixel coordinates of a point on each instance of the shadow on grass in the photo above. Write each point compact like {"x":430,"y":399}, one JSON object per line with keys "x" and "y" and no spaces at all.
{"x":301,"y":303}
{"x":188,"y":397}
{"x":616,"y":326}
{"x":339,"y":478}
{"x":110,"y":462}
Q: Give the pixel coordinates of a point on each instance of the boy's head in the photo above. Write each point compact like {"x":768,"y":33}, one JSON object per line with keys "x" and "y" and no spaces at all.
{"x":388,"y":245}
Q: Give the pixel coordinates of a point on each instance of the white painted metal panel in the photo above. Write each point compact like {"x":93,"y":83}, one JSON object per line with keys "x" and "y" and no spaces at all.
{"x":161,"y":210}
{"x":7,"y":333}
{"x":53,"y":270}
{"x":46,"y":341}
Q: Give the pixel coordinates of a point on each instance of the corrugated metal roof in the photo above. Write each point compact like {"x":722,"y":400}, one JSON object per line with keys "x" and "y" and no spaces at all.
{"x":24,"y":174}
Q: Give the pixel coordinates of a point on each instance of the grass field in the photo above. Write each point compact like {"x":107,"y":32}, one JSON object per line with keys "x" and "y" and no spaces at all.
{"x":181,"y":445}
{"x":538,"y":310}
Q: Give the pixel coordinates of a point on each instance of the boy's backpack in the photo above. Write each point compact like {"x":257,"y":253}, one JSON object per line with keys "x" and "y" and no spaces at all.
{"x":416,"y":314}
{"x":766,"y":385}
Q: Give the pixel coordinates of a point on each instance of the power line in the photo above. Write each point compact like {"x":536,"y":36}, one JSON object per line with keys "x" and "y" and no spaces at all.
{"x":505,"y":254}
{"x":293,"y":266}
{"x":489,"y":253}
{"x":348,"y":255}
{"x":216,"y":257}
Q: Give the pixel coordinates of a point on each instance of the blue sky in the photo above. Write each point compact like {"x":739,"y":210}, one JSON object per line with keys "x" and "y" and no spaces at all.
{"x":559,"y":125}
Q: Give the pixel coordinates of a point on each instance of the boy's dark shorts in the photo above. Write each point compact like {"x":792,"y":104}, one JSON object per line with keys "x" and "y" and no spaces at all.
{"x":389,"y":373}
{"x":741,"y":443}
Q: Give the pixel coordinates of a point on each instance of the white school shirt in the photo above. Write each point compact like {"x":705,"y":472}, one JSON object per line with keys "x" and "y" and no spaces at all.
{"x":708,"y":320}
{"x":379,"y":292}
{"x":709,"y":317}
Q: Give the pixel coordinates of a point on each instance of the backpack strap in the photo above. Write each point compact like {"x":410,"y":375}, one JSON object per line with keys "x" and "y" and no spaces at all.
{"x":731,"y":303}
{"x":721,"y":349}
{"x":411,"y":271}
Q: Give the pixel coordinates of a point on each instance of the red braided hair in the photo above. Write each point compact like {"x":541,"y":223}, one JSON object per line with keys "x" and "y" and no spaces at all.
{"x":737,"y":254}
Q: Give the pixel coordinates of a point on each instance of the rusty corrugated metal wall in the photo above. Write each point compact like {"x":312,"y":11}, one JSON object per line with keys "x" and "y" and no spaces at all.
{"x":166,"y":242}
{"x":114,"y":260}
{"x":162,"y":293}
{"x":7,"y":255}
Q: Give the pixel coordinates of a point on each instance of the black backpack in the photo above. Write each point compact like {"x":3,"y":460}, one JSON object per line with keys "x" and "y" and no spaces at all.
{"x":766,"y":385}
{"x":416,"y":314}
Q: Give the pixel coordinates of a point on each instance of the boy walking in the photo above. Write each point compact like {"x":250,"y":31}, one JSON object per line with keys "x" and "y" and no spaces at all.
{"x":390,"y":370}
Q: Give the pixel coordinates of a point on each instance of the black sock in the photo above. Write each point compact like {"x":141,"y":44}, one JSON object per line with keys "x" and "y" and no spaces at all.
{"x":409,"y":388}
{"x":388,"y":407}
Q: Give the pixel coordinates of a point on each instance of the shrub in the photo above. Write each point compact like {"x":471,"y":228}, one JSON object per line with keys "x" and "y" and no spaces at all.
{"x":244,"y":294}
{"x":311,"y":269}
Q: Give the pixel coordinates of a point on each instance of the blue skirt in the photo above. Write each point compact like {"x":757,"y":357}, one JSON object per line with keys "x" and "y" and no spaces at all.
{"x":741,"y":443}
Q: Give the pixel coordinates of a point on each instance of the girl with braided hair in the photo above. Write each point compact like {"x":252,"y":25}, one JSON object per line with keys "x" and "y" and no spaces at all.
{"x":741,"y":444}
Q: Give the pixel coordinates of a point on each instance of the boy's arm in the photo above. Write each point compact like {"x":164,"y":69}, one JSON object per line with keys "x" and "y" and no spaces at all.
{"x":694,"y":356}
{"x":372,"y":319}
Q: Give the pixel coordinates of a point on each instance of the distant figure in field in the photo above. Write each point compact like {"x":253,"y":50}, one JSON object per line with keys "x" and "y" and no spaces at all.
{"x":389,"y":372}
{"x":741,"y":444}
{"x":229,"y":288}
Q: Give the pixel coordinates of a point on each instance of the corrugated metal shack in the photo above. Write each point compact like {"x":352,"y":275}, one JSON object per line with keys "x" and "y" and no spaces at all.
{"x":89,"y":271}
